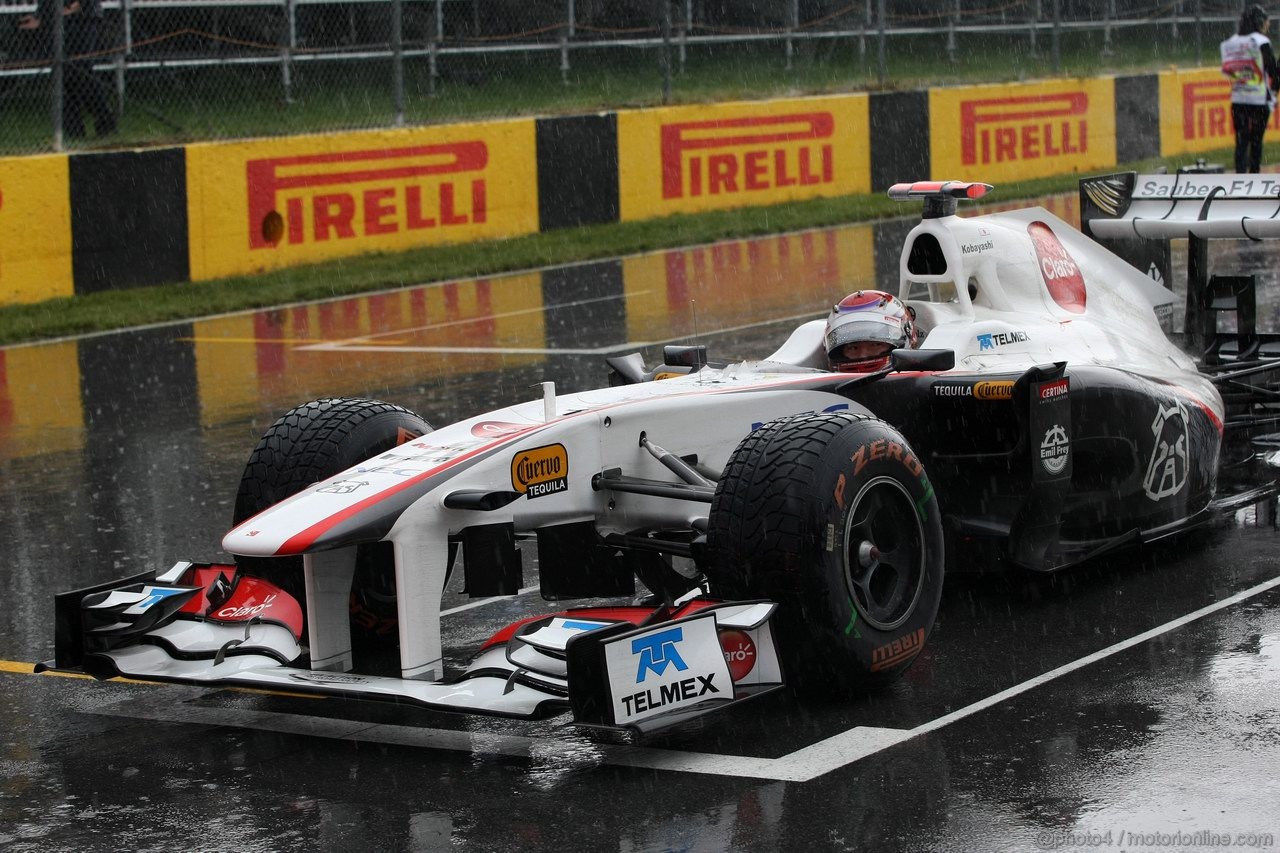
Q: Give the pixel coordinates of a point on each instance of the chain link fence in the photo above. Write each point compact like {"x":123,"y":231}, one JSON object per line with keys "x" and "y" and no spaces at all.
{"x":171,"y":71}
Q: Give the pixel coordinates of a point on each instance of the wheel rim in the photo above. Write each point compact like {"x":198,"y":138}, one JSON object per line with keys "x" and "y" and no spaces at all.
{"x":884,"y":553}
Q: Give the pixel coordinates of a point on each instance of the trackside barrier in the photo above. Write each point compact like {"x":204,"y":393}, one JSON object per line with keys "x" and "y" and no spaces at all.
{"x":87,"y":222}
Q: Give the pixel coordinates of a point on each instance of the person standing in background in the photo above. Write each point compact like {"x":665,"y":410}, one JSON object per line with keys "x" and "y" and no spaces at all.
{"x":1250,"y":65}
{"x":82,"y":20}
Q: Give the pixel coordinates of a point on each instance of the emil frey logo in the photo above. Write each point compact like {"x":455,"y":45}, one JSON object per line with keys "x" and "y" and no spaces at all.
{"x":351,"y":194}
{"x":657,"y":652}
{"x":999,"y":339}
{"x":1054,"y":449}
{"x":997,"y":130}
{"x":747,"y":154}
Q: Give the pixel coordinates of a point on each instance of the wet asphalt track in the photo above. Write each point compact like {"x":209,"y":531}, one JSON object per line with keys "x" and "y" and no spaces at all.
{"x":1130,"y":705}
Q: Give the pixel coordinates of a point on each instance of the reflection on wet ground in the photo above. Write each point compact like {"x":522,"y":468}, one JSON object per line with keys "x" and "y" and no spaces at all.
{"x":121,"y":453}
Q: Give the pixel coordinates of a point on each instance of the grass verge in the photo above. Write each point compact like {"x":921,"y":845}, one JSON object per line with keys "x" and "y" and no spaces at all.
{"x":109,"y":310}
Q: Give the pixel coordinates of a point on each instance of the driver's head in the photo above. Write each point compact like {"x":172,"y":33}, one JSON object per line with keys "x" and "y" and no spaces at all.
{"x":864,"y":328}
{"x":1253,"y":20}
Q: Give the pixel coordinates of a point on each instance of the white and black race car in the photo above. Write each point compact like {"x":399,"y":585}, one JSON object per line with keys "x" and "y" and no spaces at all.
{"x":786,"y":519}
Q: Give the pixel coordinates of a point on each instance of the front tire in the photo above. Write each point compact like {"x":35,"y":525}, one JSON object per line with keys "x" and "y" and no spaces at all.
{"x":832,"y":516}
{"x":310,"y":443}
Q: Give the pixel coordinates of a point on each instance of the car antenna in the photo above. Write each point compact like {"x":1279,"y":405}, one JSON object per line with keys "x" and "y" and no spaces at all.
{"x":693,"y":307}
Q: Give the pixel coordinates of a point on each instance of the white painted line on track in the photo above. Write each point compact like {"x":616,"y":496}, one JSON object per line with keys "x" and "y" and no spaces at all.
{"x":802,"y":765}
{"x":340,"y":346}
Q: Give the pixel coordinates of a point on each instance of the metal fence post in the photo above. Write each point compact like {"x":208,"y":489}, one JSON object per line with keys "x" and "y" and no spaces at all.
{"x":433,"y":70}
{"x":397,"y":58}
{"x":666,"y":51}
{"x":1199,"y":25}
{"x":1174,"y":9}
{"x":126,"y":22}
{"x":951,"y":33}
{"x":1056,"y":43}
{"x":1033,"y":29}
{"x":793,"y":22}
{"x":881,"y":64}
{"x":1106,"y":27}
{"x":685,"y":26}
{"x":862,"y":33}
{"x":286,"y":54}
{"x":564,"y":45}
{"x":59,"y":48}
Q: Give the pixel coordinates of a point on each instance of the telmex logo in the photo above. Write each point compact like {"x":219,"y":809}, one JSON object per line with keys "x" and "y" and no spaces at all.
{"x":995,"y":130}
{"x":1206,"y":111}
{"x":541,"y":471}
{"x":368,"y":193}
{"x":746,"y":154}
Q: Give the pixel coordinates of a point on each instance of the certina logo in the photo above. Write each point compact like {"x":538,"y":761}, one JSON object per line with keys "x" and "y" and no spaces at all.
{"x":974,"y":248}
{"x":1167,"y":470}
{"x":747,"y":154}
{"x":998,"y":130}
{"x":1054,"y":449}
{"x":999,"y":339}
{"x":1055,"y":389}
{"x":540,"y":471}
{"x":352,"y":194}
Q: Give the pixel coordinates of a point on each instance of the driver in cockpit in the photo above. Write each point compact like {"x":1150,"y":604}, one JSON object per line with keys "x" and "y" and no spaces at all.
{"x":864,"y":327}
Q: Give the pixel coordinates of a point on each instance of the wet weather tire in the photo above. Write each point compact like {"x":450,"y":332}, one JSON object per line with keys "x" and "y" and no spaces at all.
{"x":832,"y":516}
{"x":310,"y":443}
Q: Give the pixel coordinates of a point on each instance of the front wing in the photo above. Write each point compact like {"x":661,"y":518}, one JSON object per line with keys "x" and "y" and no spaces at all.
{"x":635,"y":668}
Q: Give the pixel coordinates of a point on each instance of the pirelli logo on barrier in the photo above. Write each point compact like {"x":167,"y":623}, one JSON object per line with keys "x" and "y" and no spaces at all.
{"x":687,"y":159}
{"x":1022,"y":130}
{"x":1195,"y":112}
{"x":306,"y":199}
{"x":35,"y":229}
{"x":747,"y":154}
{"x":351,"y":194}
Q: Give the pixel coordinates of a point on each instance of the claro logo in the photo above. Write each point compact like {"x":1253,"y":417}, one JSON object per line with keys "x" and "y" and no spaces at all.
{"x":350,"y":194}
{"x":747,"y":154}
{"x":1206,"y":111}
{"x":541,"y":471}
{"x":996,"y":130}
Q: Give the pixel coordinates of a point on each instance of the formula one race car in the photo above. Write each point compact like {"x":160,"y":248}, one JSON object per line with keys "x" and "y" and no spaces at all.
{"x":785,"y":517}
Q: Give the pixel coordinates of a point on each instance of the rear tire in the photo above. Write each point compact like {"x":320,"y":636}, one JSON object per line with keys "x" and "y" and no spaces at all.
{"x":832,"y":516}
{"x":310,"y":443}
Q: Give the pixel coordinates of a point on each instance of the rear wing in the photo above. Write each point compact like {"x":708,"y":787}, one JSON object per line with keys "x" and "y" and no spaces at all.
{"x":1135,"y":216}
{"x":1168,"y":207}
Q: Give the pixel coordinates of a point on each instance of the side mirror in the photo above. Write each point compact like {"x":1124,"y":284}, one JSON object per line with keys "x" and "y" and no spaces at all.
{"x":923,"y":359}
{"x":679,"y":356}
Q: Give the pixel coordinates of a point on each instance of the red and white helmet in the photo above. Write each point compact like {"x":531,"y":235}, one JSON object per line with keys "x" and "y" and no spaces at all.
{"x":868,"y":317}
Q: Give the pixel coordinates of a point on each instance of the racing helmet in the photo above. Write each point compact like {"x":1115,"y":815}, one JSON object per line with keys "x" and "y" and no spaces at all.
{"x":876,"y":319}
